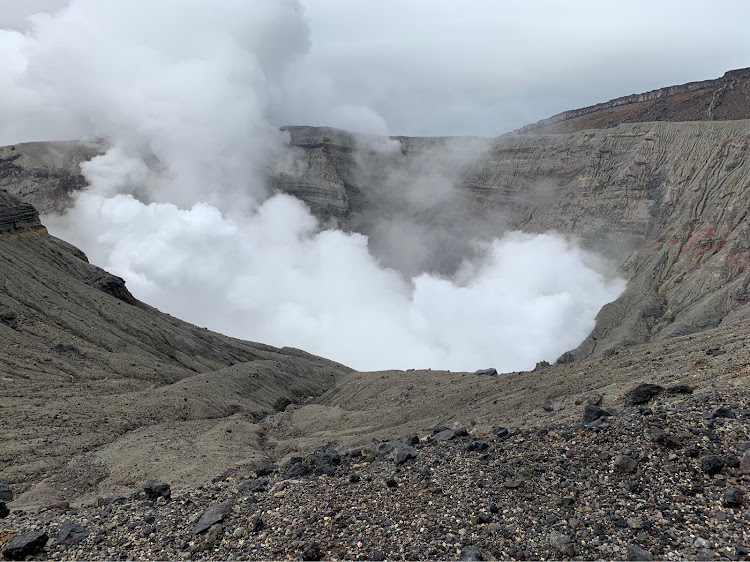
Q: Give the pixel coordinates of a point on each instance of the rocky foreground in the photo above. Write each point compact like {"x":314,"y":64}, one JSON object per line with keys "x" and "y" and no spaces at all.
{"x":665,"y":477}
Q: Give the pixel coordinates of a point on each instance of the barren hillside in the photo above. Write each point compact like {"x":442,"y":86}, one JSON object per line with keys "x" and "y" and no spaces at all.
{"x":101,"y":391}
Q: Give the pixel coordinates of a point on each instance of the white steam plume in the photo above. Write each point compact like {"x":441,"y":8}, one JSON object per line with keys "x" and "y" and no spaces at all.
{"x":177,"y":206}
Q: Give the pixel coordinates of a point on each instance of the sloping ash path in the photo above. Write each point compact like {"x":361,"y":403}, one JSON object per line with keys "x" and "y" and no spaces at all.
{"x":642,"y":482}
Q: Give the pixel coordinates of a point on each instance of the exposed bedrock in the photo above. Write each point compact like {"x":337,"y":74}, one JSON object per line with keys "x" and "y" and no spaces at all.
{"x":666,"y":202}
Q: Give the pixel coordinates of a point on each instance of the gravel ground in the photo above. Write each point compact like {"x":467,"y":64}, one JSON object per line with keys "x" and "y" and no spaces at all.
{"x":665,"y":479}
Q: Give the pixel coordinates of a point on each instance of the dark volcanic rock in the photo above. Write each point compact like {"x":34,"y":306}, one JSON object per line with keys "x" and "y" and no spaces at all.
{"x":478,"y":445}
{"x":17,"y":216}
{"x":500,"y":432}
{"x":9,"y":318}
{"x":114,"y":498}
{"x":403,"y":454}
{"x":296,"y":470}
{"x":733,"y":497}
{"x":71,"y":533}
{"x":445,"y":435}
{"x":487,"y":372}
{"x":561,"y":544}
{"x":312,"y":552}
{"x":24,"y":545}
{"x":592,"y":413}
{"x":319,"y":461}
{"x":642,"y":393}
{"x":719,"y":412}
{"x":155,"y":489}
{"x":711,"y":464}
{"x":661,"y":437}
{"x":332,"y":457}
{"x":113,"y":286}
{"x":4,"y":511}
{"x":265,"y":470}
{"x":61,"y":347}
{"x":624,"y":463}
{"x":211,"y":516}
{"x":679,"y":389}
{"x":257,"y":523}
{"x":731,"y":461}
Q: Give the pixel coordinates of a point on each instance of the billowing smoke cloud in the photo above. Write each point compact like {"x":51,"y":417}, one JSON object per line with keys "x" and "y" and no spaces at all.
{"x":178,"y":206}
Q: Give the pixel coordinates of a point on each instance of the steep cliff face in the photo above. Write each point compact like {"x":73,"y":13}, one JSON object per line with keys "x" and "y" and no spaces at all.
{"x":17,"y":217}
{"x":722,"y":99}
{"x":669,"y":201}
{"x":45,"y":173}
{"x":666,"y":202}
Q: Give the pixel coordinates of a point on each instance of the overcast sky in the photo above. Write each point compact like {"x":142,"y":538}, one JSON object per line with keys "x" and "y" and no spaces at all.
{"x":483,"y":67}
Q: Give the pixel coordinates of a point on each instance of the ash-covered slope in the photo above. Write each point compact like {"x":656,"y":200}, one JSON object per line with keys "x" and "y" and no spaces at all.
{"x":723,"y":99}
{"x":83,"y":362}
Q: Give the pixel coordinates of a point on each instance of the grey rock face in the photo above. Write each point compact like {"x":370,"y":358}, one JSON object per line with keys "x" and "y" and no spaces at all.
{"x":17,"y":216}
{"x":630,"y":192}
{"x":44,"y":174}
{"x":615,"y":189}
